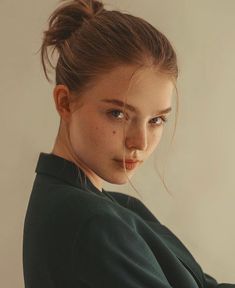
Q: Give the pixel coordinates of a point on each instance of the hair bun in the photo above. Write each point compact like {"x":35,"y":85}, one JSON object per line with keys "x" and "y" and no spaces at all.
{"x":94,"y":6}
{"x":69,"y":16}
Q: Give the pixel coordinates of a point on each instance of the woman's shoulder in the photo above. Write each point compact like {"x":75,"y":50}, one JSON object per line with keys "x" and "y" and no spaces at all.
{"x":67,"y":201}
{"x":134,"y":204}
{"x":56,"y":202}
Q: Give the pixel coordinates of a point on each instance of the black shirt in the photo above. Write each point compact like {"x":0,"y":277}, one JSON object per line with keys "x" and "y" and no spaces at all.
{"x":77,"y":236}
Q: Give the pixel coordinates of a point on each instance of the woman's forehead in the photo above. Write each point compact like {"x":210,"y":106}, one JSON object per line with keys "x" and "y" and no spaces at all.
{"x":125,"y":81}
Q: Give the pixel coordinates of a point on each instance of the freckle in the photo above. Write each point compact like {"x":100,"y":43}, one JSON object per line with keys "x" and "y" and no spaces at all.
{"x":114,"y":132}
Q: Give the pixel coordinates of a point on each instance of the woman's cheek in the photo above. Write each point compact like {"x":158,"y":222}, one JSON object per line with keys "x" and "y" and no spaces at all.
{"x":154,"y":139}
{"x":100,"y":134}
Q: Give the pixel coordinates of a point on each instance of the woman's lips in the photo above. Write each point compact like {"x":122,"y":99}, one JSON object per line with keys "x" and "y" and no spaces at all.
{"x":130,"y":165}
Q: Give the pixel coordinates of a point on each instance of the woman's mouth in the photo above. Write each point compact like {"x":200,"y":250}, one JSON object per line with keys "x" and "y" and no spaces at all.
{"x":130,"y":165}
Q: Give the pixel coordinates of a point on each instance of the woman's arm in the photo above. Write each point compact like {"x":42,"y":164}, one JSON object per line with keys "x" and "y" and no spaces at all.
{"x":212,"y":283}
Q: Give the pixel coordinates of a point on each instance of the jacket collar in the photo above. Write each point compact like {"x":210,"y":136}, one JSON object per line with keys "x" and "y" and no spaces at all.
{"x":64,"y":170}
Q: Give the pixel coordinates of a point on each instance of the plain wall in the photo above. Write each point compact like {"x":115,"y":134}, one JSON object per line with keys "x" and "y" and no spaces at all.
{"x":200,"y":164}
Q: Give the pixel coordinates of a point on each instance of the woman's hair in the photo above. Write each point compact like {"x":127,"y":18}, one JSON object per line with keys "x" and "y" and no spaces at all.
{"x":90,"y":40}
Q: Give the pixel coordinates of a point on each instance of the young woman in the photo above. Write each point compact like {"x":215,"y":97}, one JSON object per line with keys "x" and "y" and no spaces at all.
{"x":115,"y":75}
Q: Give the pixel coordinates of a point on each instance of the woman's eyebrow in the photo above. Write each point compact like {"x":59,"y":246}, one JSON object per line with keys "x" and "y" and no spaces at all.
{"x":132,"y":108}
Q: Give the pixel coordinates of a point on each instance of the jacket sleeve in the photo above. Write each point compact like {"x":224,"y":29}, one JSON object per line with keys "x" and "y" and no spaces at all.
{"x":212,"y":283}
{"x":137,"y":206}
{"x":110,"y":253}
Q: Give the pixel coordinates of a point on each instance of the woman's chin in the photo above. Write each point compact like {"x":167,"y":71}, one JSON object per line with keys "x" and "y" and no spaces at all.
{"x":120,"y":180}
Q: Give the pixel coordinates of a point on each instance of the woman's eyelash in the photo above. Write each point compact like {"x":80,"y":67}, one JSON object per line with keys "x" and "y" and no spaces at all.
{"x":114,"y":113}
{"x":163,"y":118}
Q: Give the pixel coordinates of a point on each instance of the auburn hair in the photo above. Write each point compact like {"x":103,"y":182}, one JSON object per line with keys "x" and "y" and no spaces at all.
{"x":90,"y":40}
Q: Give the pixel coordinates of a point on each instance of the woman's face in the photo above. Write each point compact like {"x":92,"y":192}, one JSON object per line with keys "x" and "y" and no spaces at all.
{"x":97,"y":130}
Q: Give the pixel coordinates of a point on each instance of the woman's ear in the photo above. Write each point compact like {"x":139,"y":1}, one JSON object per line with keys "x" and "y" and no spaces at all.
{"x":62,"y":100}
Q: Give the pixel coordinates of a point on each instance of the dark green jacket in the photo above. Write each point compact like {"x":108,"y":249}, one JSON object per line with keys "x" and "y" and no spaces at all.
{"x":78,"y":236}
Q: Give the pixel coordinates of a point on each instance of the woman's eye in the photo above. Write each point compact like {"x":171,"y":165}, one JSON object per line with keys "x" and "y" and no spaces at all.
{"x":116,"y":114}
{"x":156,"y":121}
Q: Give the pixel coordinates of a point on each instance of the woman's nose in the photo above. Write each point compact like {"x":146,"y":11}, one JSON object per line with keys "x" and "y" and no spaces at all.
{"x":136,"y":138}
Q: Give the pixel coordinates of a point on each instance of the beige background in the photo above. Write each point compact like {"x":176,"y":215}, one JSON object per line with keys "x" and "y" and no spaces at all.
{"x":200,"y":169}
